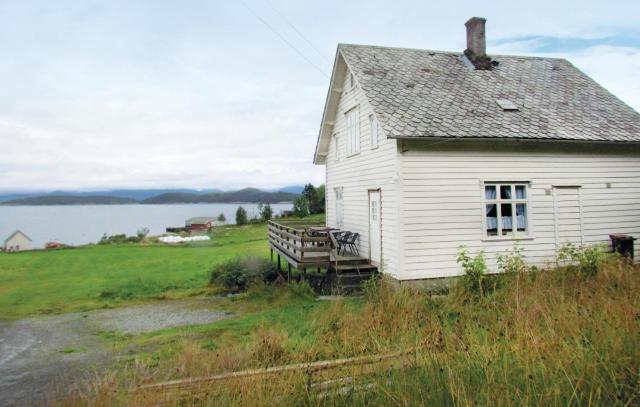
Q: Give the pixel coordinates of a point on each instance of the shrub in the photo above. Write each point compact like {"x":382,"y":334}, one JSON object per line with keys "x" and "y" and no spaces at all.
{"x":142,"y":232}
{"x":222,"y":218}
{"x":118,"y":239}
{"x":588,"y":259}
{"x":475,"y":269}
{"x":512,"y":261}
{"x":241,"y":216}
{"x":239,"y":274}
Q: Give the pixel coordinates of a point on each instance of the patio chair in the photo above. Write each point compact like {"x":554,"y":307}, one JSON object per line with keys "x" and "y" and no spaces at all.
{"x":342,"y":238}
{"x":350,"y":242}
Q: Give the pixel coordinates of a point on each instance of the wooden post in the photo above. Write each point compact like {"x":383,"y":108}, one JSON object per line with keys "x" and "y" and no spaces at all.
{"x":271,"y":250}
{"x":279,"y":266}
{"x":288,"y":272}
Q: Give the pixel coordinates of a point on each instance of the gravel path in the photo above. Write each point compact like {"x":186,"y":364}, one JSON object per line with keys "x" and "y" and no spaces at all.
{"x":40,"y":354}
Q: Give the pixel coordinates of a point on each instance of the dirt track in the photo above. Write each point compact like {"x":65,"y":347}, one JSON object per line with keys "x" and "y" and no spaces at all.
{"x":41,"y":357}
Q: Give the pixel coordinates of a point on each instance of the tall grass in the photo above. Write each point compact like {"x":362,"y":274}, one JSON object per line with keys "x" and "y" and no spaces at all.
{"x":556,"y":337}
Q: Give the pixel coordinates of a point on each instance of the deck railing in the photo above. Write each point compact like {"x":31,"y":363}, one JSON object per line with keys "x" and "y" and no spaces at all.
{"x":304,"y":243}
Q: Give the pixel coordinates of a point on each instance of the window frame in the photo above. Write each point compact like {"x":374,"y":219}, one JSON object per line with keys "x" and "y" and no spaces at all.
{"x":352,"y":142}
{"x":374,"y":129}
{"x":499,"y":201}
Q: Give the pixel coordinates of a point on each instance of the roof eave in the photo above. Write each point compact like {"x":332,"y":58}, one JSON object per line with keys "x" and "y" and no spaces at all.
{"x":480,"y":138}
{"x":318,"y":158}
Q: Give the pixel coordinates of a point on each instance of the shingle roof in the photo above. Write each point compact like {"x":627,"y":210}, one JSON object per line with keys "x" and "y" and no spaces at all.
{"x":422,"y":93}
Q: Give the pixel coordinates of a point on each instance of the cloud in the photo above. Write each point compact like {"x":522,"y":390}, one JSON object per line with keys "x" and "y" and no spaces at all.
{"x":201,"y":94}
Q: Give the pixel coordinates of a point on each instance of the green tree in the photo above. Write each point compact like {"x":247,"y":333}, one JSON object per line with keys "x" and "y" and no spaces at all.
{"x":309,"y":193}
{"x":222,"y":218}
{"x":301,"y":206}
{"x":320,"y":199}
{"x":241,"y":216}
{"x":266,"y":213}
{"x":315,"y":197}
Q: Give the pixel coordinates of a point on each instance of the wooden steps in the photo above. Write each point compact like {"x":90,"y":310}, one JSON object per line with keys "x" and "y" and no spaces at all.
{"x":350,"y":274}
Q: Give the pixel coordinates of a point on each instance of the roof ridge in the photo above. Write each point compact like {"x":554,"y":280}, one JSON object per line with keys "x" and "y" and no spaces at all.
{"x":456,"y":53}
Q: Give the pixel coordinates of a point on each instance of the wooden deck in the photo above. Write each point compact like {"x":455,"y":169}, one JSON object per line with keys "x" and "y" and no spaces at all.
{"x":303,"y":245}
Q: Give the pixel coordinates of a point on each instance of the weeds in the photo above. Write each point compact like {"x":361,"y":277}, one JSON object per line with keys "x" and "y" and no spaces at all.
{"x":475,"y":270}
{"x":547,"y":338}
{"x":587,"y":260}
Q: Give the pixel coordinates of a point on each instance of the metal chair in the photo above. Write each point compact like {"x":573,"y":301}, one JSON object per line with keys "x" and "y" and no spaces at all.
{"x":342,"y":239}
{"x":350,"y":242}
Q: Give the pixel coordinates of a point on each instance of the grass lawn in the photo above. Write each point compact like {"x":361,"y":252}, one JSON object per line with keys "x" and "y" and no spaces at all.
{"x":94,"y":276}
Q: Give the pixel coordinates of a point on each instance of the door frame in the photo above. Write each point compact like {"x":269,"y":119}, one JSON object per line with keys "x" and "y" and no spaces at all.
{"x":379,"y":191}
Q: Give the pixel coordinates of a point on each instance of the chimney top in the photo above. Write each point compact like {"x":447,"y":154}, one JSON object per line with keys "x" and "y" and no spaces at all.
{"x":476,"y":50}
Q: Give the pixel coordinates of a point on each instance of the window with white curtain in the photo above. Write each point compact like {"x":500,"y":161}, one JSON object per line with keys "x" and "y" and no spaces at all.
{"x":339,"y":208}
{"x":353,"y":131}
{"x":374,"y":128}
{"x":506,"y":209}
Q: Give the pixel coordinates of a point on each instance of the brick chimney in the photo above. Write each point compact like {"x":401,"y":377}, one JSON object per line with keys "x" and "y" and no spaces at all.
{"x":476,"y":50}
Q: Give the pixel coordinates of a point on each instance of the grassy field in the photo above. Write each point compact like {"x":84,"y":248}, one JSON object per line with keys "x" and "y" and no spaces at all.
{"x":553,"y":337}
{"x":96,"y":276}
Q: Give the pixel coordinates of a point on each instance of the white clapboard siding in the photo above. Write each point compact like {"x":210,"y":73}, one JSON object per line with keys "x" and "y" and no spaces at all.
{"x":441,"y":206}
{"x":372,"y":168}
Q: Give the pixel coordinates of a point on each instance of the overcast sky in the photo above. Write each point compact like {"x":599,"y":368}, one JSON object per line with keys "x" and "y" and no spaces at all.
{"x":206,"y":94}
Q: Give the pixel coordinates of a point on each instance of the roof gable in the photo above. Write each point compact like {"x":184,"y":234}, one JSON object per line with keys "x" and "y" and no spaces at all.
{"x":422,"y":93}
{"x":17,"y":232}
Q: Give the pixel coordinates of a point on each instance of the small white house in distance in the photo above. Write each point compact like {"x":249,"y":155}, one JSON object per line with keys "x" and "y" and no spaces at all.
{"x":426,"y":151}
{"x":18,"y":242}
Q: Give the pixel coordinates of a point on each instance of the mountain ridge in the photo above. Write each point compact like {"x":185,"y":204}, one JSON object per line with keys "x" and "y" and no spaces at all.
{"x":245,"y":195}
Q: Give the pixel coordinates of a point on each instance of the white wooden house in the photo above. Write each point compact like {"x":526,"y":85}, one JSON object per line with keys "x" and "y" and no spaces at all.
{"x":18,"y":242}
{"x":426,"y":151}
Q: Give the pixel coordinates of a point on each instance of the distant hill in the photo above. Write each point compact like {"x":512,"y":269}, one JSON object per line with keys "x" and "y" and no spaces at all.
{"x":251,"y":195}
{"x":70,"y":200}
{"x":294,"y":189}
{"x":137,"y":194}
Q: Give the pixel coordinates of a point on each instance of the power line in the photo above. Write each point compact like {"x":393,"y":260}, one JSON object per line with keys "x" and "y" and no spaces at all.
{"x":298,"y":32}
{"x":285,"y":40}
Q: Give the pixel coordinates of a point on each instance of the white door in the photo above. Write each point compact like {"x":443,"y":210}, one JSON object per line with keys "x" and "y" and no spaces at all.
{"x":567,"y":215}
{"x":375,"y":235}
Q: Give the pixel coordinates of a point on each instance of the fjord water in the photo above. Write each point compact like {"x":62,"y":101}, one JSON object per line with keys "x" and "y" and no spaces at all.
{"x":81,"y":224}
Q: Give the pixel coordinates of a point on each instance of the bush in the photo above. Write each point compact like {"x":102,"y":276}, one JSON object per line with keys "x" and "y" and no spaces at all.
{"x":241,"y":216}
{"x":142,"y":232}
{"x":475,"y":269}
{"x":513,"y":261}
{"x":118,"y":239}
{"x":222,"y":218}
{"x":588,"y":259}
{"x":239,"y":274}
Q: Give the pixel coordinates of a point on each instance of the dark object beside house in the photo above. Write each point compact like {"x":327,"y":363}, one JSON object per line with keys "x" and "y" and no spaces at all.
{"x":622,"y":244}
